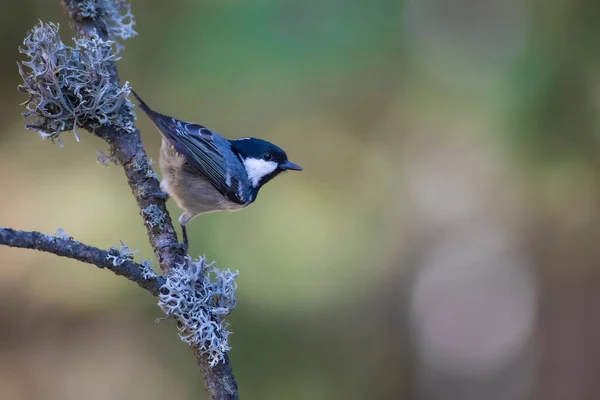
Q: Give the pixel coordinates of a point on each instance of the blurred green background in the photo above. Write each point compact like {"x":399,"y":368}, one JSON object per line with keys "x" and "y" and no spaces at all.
{"x":441,"y":243}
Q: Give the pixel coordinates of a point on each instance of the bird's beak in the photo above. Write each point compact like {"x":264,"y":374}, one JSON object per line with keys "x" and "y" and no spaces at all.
{"x":290,"y":165}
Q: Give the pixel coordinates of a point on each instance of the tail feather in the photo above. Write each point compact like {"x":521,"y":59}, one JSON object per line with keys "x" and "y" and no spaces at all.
{"x":143,"y":104}
{"x":166,"y":125}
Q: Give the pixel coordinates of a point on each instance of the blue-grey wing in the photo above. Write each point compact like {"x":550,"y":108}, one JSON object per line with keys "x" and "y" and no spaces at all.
{"x":205,"y":151}
{"x":208,"y":153}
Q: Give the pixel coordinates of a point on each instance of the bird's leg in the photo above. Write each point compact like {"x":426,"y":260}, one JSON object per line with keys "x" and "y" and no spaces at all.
{"x":185,"y":237}
{"x":163,"y":193}
{"x":177,"y":245}
{"x":160,"y":195}
{"x":183,"y":220}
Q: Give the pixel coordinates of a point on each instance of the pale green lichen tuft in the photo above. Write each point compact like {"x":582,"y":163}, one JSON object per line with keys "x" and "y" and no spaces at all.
{"x":199,"y":296}
{"x":71,"y":87}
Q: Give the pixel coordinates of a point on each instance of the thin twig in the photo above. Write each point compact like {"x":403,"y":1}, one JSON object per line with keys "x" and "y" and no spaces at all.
{"x":71,"y":248}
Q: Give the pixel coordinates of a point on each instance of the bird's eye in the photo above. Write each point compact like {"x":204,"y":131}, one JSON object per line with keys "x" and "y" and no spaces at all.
{"x":267,"y":156}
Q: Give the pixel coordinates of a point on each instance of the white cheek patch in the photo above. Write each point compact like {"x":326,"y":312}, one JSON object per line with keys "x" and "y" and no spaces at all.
{"x":258,"y":168}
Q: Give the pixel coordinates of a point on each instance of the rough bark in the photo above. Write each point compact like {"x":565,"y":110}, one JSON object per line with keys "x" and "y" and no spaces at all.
{"x":126,"y":149}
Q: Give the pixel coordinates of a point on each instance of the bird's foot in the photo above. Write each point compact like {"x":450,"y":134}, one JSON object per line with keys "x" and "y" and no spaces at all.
{"x":159,"y":195}
{"x":184,"y":246}
{"x":178,"y":246}
{"x":184,"y":234}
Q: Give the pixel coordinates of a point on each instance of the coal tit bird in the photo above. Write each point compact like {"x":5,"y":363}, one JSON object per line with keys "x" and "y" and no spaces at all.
{"x":205,"y":172}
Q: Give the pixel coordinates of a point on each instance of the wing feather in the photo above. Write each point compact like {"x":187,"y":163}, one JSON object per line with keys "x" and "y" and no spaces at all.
{"x":197,"y":144}
{"x":204,"y":152}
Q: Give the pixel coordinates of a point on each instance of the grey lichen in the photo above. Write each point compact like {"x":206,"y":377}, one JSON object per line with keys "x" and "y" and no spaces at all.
{"x":88,"y":9}
{"x":119,"y":18}
{"x":119,"y":255}
{"x":156,"y":217}
{"x":106,"y":160}
{"x":148,"y":271}
{"x":141,"y":165}
{"x":70,"y":87}
{"x":60,"y":233}
{"x":151,"y":174}
{"x":116,"y":15}
{"x":199,"y":296}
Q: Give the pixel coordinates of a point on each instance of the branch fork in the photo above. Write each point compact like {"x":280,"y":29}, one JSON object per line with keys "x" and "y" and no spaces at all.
{"x":78,"y":87}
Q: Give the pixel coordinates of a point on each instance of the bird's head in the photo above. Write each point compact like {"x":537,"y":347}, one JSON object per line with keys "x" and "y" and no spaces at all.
{"x":263,"y":160}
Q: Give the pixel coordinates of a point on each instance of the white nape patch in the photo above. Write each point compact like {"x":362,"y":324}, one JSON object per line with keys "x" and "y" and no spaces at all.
{"x":257,"y":168}
{"x":244,"y":138}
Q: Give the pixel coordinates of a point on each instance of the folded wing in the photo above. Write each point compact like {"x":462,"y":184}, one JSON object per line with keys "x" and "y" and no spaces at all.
{"x":205,"y":151}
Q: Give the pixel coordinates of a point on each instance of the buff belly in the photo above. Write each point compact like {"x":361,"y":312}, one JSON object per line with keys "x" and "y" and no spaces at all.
{"x":191,"y":191}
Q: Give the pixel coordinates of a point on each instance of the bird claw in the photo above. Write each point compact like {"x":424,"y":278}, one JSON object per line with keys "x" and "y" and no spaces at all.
{"x":160,"y":195}
{"x":180,"y":246}
{"x":183,"y":246}
{"x":184,"y":234}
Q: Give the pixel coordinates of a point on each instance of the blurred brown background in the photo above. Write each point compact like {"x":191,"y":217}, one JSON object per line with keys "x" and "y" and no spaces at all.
{"x":440,"y":244}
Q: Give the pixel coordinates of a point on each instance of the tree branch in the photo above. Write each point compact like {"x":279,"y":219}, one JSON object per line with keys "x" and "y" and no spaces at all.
{"x":128,"y":150}
{"x":69,"y":248}
{"x":103,"y":19}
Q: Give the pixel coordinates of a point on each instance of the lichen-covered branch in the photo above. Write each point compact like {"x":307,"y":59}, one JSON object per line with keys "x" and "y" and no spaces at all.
{"x":78,"y":87}
{"x":219,"y":379}
{"x":199,"y":296}
{"x":115,"y":260}
{"x":71,"y":86}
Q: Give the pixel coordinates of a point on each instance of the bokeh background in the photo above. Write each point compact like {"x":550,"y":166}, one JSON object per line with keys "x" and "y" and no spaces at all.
{"x":441,"y":242}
